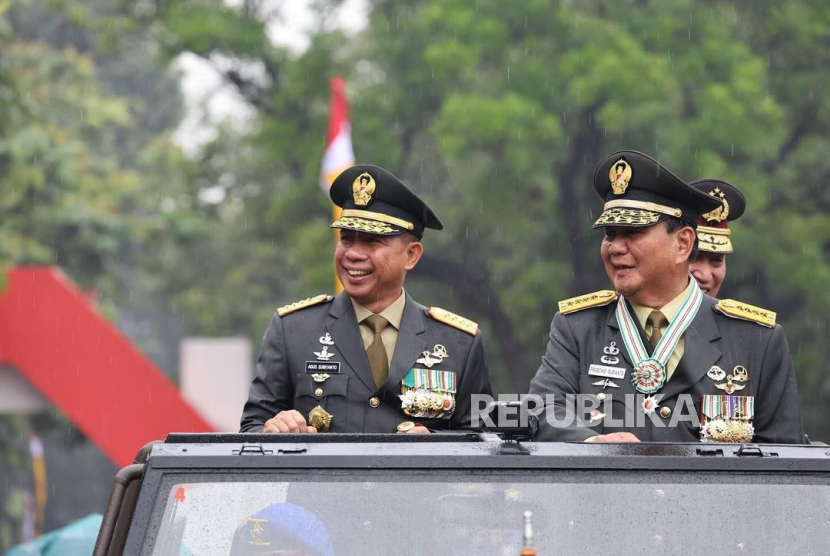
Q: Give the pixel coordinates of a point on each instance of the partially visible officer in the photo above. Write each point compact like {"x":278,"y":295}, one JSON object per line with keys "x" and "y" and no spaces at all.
{"x":371,"y":359}
{"x":657,"y":345}
{"x":709,"y":268}
{"x":282,"y":529}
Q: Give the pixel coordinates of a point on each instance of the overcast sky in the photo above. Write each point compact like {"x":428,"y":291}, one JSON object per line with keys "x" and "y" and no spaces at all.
{"x":210,"y":101}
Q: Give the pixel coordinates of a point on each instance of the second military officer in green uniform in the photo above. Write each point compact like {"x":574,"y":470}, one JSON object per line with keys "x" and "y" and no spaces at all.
{"x":714,"y":243}
{"x":655,"y":359}
{"x":371,"y":359}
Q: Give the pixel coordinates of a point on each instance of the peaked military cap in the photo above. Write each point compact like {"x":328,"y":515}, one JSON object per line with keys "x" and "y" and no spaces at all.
{"x":375,"y":201}
{"x":639,"y":191}
{"x":713,"y":227}
{"x":282,"y":527}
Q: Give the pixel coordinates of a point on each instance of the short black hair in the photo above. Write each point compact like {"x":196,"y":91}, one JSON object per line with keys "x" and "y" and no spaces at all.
{"x":673,"y":224}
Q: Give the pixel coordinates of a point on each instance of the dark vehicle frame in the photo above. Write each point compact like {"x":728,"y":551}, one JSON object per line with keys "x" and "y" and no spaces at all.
{"x":135,"y":497}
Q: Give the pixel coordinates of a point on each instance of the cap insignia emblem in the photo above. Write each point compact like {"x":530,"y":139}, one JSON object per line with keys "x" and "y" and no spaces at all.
{"x":363,"y":188}
{"x":256,"y":528}
{"x":722,"y":212}
{"x":620,"y":175}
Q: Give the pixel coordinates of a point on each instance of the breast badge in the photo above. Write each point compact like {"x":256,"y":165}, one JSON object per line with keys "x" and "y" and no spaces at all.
{"x":427,"y":359}
{"x":611,"y":352}
{"x":324,"y":354}
{"x":734,"y":381}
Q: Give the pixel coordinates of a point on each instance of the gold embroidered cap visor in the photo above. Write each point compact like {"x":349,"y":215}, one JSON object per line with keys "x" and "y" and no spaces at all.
{"x":373,"y":223}
{"x":376,"y":202}
{"x":714,"y":240}
{"x":644,"y":192}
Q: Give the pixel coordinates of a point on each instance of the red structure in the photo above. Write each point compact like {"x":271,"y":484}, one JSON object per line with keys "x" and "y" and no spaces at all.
{"x":52,"y":334}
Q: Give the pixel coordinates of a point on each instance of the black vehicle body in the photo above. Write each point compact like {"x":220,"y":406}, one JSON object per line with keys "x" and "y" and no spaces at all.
{"x":465,"y":494}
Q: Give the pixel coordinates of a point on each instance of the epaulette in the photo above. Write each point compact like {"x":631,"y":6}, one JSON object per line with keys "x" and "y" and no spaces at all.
{"x":456,"y":321}
{"x":596,"y":299}
{"x":745,"y":311}
{"x":311,"y":301}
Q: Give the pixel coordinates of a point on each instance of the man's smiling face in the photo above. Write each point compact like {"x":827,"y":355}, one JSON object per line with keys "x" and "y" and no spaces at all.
{"x":372,"y":267}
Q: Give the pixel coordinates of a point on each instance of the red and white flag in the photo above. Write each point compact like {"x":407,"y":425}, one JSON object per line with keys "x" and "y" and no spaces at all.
{"x":339,"y":153}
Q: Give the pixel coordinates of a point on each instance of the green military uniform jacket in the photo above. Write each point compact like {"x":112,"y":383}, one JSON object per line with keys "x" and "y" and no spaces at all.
{"x":578,"y":340}
{"x":287,"y":361}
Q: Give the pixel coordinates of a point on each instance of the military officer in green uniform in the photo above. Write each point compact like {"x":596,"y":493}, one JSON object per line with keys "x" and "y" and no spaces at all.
{"x":655,"y":359}
{"x":371,"y":359}
{"x":714,"y":243}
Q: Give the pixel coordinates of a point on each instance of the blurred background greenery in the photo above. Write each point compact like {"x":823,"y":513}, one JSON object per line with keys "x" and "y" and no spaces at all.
{"x":494,"y":112}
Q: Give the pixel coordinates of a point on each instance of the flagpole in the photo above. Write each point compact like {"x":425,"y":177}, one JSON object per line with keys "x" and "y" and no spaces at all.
{"x":339,"y":153}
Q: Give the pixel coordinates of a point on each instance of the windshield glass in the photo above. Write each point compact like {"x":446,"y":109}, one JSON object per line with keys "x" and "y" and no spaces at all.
{"x":481,"y":514}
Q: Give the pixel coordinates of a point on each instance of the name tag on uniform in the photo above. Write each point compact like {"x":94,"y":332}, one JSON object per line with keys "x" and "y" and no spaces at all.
{"x":606,"y":372}
{"x":322,"y":367}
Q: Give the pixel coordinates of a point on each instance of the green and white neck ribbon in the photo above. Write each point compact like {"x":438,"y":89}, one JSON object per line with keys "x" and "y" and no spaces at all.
{"x":649,"y":373}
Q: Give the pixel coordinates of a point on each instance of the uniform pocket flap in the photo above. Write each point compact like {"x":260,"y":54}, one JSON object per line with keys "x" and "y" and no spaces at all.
{"x":334,"y":385}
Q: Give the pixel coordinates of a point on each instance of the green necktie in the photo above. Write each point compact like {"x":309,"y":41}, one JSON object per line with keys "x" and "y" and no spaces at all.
{"x":378,"y":360}
{"x":657,"y":320}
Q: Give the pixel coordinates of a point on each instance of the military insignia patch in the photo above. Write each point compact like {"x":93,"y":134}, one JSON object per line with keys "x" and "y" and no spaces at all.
{"x":596,"y":299}
{"x":620,"y":175}
{"x":745,"y":311}
{"x":310,"y":302}
{"x":363,"y":188}
{"x":456,"y":321}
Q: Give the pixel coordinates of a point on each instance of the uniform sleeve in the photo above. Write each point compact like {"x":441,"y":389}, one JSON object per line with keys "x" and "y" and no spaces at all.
{"x":271,"y":390}
{"x":777,"y":416}
{"x":556,"y":381}
{"x":474,"y":380}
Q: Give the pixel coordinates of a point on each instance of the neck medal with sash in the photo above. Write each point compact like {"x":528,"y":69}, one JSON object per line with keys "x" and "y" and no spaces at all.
{"x":649,"y":373}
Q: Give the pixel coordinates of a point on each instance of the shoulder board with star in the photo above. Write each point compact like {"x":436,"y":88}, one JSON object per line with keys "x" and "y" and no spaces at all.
{"x":298,"y":305}
{"x":745,"y":311}
{"x":456,"y":321}
{"x":596,"y":299}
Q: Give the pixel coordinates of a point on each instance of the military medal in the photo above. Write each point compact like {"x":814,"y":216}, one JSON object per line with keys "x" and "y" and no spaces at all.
{"x":649,"y":405}
{"x":428,"y":393}
{"x":320,"y":419}
{"x":596,"y":416}
{"x":649,"y":373}
{"x":727,"y":418}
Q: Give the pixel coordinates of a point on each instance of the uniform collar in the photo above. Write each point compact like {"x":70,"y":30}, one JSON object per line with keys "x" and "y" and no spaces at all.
{"x":669,"y":309}
{"x":393,"y":313}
